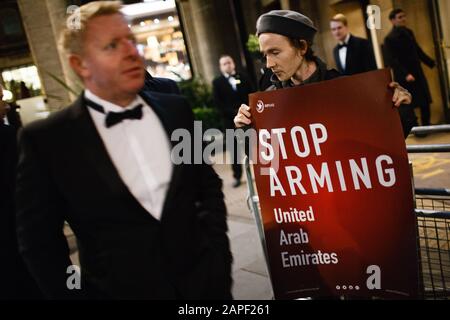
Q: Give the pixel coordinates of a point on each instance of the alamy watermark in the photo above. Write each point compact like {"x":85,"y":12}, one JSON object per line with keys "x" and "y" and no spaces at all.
{"x":374,"y":17}
{"x":74,"y":20}
{"x":74,"y":279}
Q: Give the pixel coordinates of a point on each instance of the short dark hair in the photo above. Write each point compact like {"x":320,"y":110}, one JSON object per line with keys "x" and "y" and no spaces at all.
{"x":225,"y":56}
{"x":394,"y":13}
{"x":300,"y":44}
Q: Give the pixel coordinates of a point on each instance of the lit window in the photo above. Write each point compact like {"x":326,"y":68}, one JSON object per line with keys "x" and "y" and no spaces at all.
{"x":160,"y":40}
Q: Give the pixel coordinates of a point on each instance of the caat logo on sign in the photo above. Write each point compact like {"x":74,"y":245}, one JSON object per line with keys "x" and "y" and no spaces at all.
{"x":260,"y":106}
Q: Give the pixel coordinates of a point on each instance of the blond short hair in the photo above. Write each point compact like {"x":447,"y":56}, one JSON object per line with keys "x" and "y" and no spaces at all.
{"x":340,"y":18}
{"x":72,"y":36}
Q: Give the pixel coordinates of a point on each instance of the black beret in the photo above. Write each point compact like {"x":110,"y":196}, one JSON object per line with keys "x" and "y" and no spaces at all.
{"x":287,"y":23}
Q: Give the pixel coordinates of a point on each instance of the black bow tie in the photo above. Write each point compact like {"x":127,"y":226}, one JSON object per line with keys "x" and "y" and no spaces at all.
{"x":113,"y":118}
{"x":340,"y":46}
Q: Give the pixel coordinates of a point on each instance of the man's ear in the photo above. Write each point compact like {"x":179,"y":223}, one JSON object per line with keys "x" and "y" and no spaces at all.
{"x":78,"y":66}
{"x":303,"y":47}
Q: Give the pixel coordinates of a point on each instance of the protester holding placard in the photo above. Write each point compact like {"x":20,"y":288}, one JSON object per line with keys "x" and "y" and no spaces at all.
{"x":332,"y":174}
{"x":286,"y":39}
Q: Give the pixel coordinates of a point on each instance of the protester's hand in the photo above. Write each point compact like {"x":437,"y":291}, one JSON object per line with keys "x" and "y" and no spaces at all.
{"x":243,"y":118}
{"x":410,"y":78}
{"x":401,"y":95}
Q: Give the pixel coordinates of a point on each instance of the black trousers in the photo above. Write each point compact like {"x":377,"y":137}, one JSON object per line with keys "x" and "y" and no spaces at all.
{"x":408,"y":118}
{"x":233,"y":148}
{"x":425,"y":114}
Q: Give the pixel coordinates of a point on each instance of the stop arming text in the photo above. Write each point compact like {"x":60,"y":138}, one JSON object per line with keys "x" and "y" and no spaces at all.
{"x":351,"y":174}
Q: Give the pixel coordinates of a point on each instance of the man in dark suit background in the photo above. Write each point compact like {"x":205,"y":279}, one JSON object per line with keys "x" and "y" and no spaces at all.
{"x":230,"y":91}
{"x":352,"y":55}
{"x":16,"y":282}
{"x":404,"y":55}
{"x":161,"y":85}
{"x":146,"y":228}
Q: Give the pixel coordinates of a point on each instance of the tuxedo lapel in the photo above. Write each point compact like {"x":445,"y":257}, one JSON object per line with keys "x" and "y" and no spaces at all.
{"x":350,"y":52}
{"x":226,"y":83}
{"x":338,"y":59}
{"x":240,"y":86}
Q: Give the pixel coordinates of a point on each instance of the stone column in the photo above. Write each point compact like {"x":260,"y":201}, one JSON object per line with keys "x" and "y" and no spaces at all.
{"x":210,"y":32}
{"x":58,"y":14}
{"x":41,"y":20}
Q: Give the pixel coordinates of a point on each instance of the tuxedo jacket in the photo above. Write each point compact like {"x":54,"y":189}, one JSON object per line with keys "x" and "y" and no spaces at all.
{"x":161,"y":85}
{"x":8,"y":159}
{"x":17,"y":282}
{"x":228,"y":100}
{"x":66,"y":174}
{"x":360,"y":57}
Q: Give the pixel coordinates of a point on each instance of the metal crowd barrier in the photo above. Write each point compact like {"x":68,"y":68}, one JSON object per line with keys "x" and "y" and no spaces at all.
{"x":433,"y":226}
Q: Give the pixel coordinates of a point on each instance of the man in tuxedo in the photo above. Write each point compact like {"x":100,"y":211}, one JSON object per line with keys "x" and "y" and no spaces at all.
{"x":146,"y":228}
{"x":230,"y":91}
{"x":405,"y":55}
{"x":352,"y":55}
{"x":16,"y":281}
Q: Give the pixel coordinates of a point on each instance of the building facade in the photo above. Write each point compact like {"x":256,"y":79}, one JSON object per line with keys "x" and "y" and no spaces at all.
{"x":186,"y":39}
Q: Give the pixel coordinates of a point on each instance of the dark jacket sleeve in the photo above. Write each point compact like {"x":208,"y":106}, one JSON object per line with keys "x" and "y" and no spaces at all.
{"x":8,"y":153}
{"x":7,"y":178}
{"x":172,"y":87}
{"x":423,"y":56}
{"x":369,"y":57}
{"x":213,"y":212}
{"x":336,"y":58}
{"x":250,"y":87}
{"x":394,"y":60}
{"x":40,"y":222}
{"x":161,"y":85}
{"x":218,"y":98}
{"x":175,"y":88}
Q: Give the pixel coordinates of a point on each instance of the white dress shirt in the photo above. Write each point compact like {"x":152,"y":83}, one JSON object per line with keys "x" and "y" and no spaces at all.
{"x":343,"y":52}
{"x":140,"y":151}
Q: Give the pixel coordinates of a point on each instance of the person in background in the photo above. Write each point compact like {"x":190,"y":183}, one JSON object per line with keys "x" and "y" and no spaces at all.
{"x":285,"y":39}
{"x":405,"y":55}
{"x":24,"y":91}
{"x":230,"y":91}
{"x":352,"y":55}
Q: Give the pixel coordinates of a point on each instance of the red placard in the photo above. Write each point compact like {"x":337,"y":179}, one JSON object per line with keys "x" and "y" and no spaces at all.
{"x":335,"y":190}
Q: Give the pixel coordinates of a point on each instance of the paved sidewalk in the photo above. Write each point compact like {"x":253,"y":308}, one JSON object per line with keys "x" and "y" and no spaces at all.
{"x":251,"y":280}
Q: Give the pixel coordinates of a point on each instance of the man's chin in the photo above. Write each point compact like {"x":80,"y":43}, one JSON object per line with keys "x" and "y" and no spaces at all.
{"x":141,"y":87}
{"x":136,"y":84}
